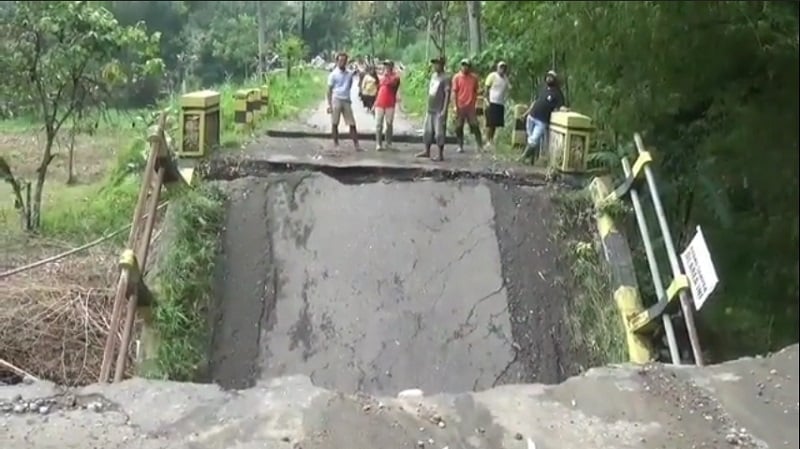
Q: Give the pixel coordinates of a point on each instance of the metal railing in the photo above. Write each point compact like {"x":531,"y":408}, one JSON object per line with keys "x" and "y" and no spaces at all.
{"x":131,"y":290}
{"x":639,"y":181}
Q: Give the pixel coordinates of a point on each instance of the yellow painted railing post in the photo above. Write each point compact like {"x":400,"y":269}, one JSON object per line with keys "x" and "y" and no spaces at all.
{"x":519,"y":137}
{"x":620,"y":261}
{"x":568,"y":141}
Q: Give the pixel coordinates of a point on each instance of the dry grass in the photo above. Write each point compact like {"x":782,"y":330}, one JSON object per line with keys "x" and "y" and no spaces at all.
{"x":55,"y":318}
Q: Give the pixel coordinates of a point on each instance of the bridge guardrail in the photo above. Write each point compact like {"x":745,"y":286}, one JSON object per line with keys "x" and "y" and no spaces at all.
{"x":638,"y":321}
{"x":131,"y":291}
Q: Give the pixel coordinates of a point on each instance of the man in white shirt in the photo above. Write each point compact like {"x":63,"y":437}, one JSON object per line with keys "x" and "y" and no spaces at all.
{"x":340,"y":83}
{"x":498,"y":85}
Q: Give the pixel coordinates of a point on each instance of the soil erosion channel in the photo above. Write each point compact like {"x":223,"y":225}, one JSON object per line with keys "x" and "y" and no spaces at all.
{"x":383,"y":286}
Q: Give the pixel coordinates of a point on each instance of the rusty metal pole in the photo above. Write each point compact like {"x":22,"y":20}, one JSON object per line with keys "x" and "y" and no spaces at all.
{"x":122,"y":288}
{"x":686,"y":303}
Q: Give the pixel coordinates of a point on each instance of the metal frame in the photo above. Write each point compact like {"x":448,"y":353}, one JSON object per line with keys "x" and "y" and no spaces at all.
{"x":679,"y":287}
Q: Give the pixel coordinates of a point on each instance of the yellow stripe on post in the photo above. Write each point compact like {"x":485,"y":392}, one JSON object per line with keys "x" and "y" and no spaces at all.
{"x":629,"y":304}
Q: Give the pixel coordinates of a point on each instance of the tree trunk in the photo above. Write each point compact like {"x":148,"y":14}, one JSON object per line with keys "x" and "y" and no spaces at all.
{"x":71,"y":156}
{"x":303,"y":20}
{"x":474,"y":25}
{"x":41,"y":175}
{"x":261,"y":34}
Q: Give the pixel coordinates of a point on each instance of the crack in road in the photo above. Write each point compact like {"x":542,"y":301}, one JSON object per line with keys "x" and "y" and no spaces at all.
{"x":460,"y":333}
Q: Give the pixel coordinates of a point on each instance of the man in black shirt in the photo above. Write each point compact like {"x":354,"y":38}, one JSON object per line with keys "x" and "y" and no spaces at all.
{"x":549,"y":99}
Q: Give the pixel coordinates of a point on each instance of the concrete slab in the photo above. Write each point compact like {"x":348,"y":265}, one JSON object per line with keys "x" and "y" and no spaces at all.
{"x":607,"y":408}
{"x":387,"y":286}
{"x":382,"y":286}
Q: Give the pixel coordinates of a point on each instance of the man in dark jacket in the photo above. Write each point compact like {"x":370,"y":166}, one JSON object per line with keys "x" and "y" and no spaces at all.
{"x":537,"y":122}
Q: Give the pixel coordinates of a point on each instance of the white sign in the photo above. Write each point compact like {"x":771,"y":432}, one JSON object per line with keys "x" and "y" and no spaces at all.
{"x":699,"y":269}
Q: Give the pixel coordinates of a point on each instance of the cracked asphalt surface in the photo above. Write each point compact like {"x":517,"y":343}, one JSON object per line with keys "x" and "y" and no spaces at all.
{"x":387,"y":286}
{"x":381,"y":286}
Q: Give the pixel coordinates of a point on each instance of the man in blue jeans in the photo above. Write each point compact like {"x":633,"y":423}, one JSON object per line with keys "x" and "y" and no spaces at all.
{"x":537,"y":122}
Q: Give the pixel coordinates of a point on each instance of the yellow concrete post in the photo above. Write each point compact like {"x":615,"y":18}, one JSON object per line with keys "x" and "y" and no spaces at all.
{"x":620,"y":261}
{"x":200,"y":123}
{"x":241,"y":116}
{"x":264,"y":98}
{"x":568,"y":141}
{"x":519,"y":137}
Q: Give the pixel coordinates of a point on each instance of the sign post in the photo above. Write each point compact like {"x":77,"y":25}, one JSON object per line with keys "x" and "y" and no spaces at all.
{"x":699,"y":268}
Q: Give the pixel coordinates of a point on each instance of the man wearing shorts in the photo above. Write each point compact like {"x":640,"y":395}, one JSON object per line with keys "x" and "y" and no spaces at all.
{"x":498,"y":85}
{"x":340,"y":83}
{"x":465,"y":95}
{"x":436,"y":116}
{"x":384,"y":106}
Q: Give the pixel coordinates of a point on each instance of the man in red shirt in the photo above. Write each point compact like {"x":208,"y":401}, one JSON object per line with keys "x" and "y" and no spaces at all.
{"x":388,"y":85}
{"x":465,"y":95}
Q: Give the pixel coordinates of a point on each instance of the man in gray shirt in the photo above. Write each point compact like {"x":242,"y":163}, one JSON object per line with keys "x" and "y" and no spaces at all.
{"x":436,"y":116}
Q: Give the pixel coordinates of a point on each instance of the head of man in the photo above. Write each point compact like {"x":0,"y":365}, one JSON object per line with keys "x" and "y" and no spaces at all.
{"x":437,"y":64}
{"x":466,"y":66}
{"x":388,"y":66}
{"x":341,"y":61}
{"x":502,"y":68}
{"x":551,"y":78}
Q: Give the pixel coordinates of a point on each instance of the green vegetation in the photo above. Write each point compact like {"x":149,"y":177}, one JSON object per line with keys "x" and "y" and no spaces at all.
{"x":712,"y":86}
{"x":593,"y":317}
{"x":183,"y":282}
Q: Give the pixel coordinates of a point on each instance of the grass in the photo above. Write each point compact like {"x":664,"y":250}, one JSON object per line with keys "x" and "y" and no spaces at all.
{"x":104,"y":202}
{"x":594,"y":320}
{"x":183,"y":283}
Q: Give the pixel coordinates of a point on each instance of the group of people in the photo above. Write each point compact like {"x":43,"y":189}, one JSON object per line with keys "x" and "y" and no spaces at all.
{"x":378,"y":94}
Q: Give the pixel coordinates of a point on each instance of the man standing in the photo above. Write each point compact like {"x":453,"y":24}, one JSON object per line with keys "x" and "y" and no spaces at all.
{"x":340,"y":83}
{"x":498,"y":84}
{"x":385,"y":103}
{"x":537,"y":121}
{"x":465,"y":94}
{"x":436,"y":117}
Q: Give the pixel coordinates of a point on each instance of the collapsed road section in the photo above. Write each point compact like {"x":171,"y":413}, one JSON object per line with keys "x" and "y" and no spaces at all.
{"x":377,"y":287}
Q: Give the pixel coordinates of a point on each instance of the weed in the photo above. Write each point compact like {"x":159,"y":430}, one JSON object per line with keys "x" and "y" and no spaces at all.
{"x":183,"y":283}
{"x":594,"y":320}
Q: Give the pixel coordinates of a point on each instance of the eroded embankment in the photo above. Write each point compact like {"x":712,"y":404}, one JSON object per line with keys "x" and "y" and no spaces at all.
{"x":382,"y":286}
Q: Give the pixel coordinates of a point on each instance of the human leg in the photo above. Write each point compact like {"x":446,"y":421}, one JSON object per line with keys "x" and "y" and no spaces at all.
{"x":349,"y":119}
{"x":389,"y":118}
{"x":439,"y":129}
{"x":472,"y":121}
{"x":535,"y":130}
{"x":428,"y":134}
{"x":379,"y":117}
{"x":460,"y":118}
{"x":336,"y":113}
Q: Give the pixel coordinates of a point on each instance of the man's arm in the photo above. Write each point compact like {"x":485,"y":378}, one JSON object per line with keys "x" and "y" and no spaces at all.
{"x":489,"y":81}
{"x":329,"y":93}
{"x":448,"y":88}
{"x":559,"y":101}
{"x":455,"y":87}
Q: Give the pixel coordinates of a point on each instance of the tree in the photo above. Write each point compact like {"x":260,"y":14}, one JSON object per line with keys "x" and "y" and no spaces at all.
{"x":474,"y":22}
{"x":292,"y":49}
{"x":64,"y":57}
